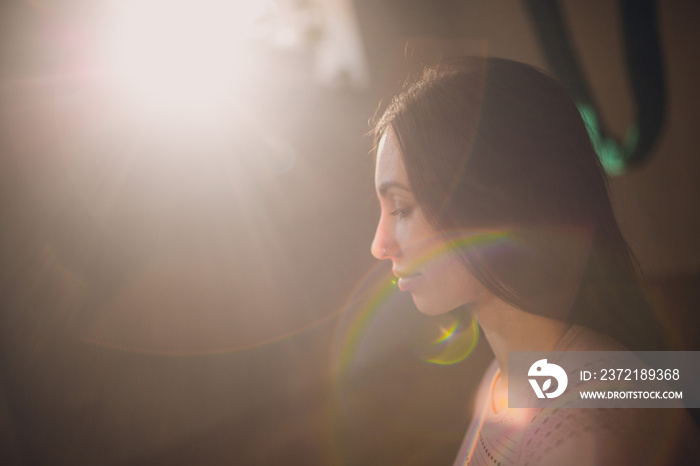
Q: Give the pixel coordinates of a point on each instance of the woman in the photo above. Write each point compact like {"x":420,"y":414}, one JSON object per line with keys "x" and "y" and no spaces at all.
{"x":492,"y":197}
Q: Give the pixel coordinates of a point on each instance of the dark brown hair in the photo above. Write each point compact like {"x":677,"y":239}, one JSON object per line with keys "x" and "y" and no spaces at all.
{"x":491,"y":143}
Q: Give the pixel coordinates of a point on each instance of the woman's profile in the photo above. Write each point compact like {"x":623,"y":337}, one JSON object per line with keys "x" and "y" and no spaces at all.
{"x":480,"y":149}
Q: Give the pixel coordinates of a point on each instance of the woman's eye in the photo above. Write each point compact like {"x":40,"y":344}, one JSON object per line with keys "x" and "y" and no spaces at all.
{"x":402,"y":213}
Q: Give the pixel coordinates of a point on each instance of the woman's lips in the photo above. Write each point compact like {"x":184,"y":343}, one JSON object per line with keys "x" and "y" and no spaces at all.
{"x":409,"y":282}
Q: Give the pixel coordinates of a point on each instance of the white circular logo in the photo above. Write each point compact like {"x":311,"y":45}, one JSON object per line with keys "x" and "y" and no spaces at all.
{"x":542,"y":368}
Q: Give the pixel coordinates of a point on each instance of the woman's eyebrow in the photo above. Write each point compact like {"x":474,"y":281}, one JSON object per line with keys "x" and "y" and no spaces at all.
{"x":387,"y":185}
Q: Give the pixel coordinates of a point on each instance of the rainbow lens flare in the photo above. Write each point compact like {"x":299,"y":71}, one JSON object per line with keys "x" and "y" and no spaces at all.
{"x":450,"y":339}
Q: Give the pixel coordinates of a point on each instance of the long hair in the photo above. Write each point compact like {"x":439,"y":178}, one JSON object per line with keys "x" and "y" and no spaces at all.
{"x":495,"y":144}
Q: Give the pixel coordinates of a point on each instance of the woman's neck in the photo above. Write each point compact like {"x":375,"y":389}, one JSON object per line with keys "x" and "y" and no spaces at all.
{"x":510,"y":329}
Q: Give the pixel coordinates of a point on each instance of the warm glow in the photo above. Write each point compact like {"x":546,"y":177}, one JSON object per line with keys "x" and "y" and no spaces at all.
{"x":178,"y":54}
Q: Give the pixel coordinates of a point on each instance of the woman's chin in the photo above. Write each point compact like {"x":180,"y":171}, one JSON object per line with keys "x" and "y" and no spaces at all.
{"x":433,"y":312}
{"x":434,"y":309}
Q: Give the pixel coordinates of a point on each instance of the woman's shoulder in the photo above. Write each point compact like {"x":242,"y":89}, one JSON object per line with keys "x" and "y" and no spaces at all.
{"x":483,"y":391}
{"x":585,"y":437}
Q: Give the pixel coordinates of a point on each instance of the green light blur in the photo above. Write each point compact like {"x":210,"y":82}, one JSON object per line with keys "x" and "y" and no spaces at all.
{"x":612,"y":155}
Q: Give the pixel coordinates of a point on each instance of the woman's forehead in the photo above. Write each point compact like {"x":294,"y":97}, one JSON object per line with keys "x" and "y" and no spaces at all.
{"x":390,"y":168}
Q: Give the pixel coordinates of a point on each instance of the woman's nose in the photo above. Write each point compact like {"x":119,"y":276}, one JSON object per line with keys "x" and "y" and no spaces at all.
{"x":378,"y":250}
{"x":384,"y":245}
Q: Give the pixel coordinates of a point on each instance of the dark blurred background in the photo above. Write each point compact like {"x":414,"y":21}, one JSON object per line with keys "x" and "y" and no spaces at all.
{"x":187,"y":280}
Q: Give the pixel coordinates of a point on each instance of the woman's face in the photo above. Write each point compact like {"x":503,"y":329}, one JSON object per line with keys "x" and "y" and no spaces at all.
{"x":422,"y":260}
